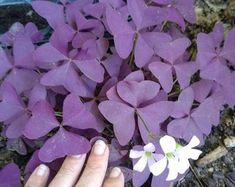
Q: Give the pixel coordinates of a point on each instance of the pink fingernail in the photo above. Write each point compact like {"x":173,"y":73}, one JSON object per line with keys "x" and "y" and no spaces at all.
{"x":42,"y":169}
{"x":99,"y":147}
{"x":76,"y":156}
{"x":115,"y":172}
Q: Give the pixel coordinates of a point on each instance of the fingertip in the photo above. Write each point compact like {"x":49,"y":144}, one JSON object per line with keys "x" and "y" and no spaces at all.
{"x":115,"y":172}
{"x":42,"y":170}
{"x":99,"y":148}
{"x":39,"y":177}
{"x":115,"y":178}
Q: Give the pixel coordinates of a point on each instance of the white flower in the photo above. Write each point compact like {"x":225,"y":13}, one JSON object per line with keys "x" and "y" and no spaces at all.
{"x":176,"y":156}
{"x":147,"y":156}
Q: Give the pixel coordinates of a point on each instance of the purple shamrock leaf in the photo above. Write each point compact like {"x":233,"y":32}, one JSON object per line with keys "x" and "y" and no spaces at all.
{"x":35,"y":162}
{"x":143,"y":16}
{"x":21,"y":74}
{"x":178,"y":10}
{"x":80,"y":24}
{"x":30,"y":30}
{"x":63,"y":143}
{"x":176,"y":48}
{"x":120,"y":115}
{"x":228,"y":88}
{"x":212,"y":58}
{"x":228,"y":51}
{"x":121,"y":109}
{"x":173,"y":65}
{"x":10,"y":105}
{"x":75,"y":114}
{"x":199,"y":120}
{"x":44,"y":9}
{"x":41,"y":122}
{"x":4,"y":63}
{"x":64,"y":71}
{"x":13,"y":110}
{"x":117,"y":152}
{"x":10,"y":176}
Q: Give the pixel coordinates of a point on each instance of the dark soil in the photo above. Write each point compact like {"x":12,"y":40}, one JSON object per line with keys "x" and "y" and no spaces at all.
{"x":220,"y":173}
{"x":19,"y":13}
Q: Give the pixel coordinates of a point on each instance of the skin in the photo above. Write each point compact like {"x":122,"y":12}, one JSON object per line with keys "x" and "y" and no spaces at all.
{"x":72,"y":174}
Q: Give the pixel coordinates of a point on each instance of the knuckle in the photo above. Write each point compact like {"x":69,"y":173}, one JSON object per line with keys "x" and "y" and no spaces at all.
{"x":95,"y":166}
{"x":69,"y":169}
{"x":31,"y":183}
{"x":112,"y":183}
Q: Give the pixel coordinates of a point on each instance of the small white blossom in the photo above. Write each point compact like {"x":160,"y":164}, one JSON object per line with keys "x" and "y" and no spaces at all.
{"x":176,"y":156}
{"x":147,"y":156}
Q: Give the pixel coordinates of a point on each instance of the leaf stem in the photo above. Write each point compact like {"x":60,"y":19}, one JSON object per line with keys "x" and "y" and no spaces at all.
{"x":131,"y":61}
{"x":174,"y":93}
{"x":150,"y":135}
{"x":58,"y":114}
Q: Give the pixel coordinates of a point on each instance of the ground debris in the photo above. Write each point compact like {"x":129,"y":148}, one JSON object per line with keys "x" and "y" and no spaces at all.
{"x":212,"y":156}
{"x":229,"y":141}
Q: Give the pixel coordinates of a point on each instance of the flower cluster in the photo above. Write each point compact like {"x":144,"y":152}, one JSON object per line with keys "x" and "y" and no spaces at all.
{"x":175,"y":157}
{"x":123,"y":70}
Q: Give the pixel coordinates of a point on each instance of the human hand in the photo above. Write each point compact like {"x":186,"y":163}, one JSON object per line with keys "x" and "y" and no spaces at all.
{"x":71,"y":172}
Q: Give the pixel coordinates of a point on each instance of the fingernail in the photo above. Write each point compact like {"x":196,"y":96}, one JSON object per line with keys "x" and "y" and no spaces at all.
{"x":99,"y":147}
{"x":76,"y":156}
{"x":115,"y":172}
{"x":42,"y":169}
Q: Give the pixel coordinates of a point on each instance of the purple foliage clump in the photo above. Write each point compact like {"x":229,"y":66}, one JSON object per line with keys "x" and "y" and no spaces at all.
{"x":111,"y":68}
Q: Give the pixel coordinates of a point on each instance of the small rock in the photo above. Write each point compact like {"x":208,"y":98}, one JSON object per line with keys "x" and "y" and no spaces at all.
{"x":229,"y":141}
{"x":211,"y":170}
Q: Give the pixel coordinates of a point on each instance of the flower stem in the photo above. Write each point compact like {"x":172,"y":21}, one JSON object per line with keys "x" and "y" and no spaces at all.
{"x":195,"y":174}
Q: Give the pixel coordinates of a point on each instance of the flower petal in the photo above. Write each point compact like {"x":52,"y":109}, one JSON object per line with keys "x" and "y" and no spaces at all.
{"x":136,"y":154}
{"x":141,"y":164}
{"x":194,"y":142}
{"x":190,"y":153}
{"x":158,"y":167}
{"x":168,"y":144}
{"x":149,"y":147}
{"x":183,"y":165}
{"x":151,"y":161}
{"x":173,"y":169}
